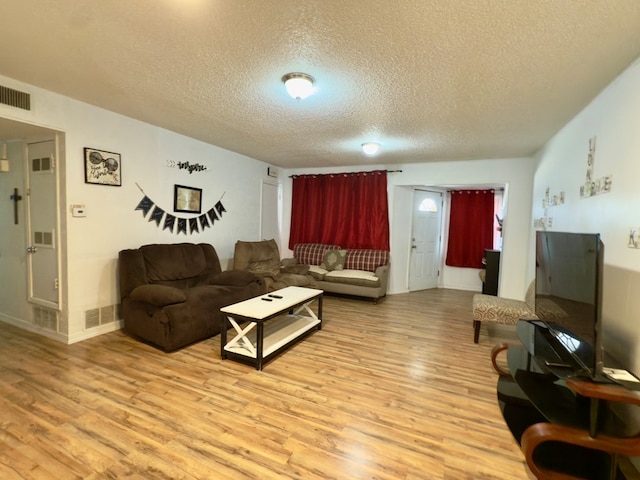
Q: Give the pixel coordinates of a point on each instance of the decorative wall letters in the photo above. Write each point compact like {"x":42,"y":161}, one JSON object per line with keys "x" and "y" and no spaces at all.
{"x":592,"y":185}
{"x":548,"y":201}
{"x":190,"y":167}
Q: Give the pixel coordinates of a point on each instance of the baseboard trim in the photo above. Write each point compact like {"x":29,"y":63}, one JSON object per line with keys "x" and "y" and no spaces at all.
{"x":96,"y":331}
{"x":30,"y":327}
{"x":60,"y":337}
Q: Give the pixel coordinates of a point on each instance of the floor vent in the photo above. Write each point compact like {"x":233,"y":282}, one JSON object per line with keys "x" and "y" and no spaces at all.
{"x":15,"y":98}
{"x":45,"y":318}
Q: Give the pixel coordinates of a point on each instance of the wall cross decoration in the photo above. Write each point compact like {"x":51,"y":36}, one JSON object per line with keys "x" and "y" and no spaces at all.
{"x":16,"y":197}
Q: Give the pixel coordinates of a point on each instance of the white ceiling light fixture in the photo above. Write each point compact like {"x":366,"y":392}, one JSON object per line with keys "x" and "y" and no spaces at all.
{"x":370,"y":148}
{"x":298,"y":85}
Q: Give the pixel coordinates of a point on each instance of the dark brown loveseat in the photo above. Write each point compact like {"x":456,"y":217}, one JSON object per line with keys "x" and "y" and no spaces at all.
{"x":171,"y":293}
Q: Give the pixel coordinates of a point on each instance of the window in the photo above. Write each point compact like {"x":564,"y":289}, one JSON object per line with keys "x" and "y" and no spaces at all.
{"x":428,"y":205}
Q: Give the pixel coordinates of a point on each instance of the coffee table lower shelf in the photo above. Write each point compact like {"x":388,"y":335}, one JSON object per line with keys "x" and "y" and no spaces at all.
{"x":278,"y":335}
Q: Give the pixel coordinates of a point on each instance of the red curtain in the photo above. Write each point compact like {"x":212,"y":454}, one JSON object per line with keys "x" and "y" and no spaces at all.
{"x":346,"y":209}
{"x":470,"y":227}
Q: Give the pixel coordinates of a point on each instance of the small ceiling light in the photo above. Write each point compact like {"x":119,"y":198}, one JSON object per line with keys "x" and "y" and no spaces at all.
{"x":370,"y":148}
{"x":298,"y":85}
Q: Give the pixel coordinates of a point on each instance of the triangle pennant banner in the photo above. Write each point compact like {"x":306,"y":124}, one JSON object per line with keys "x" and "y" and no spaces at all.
{"x":212,"y":215}
{"x":156,"y":215}
{"x":169,"y":222}
{"x":220,"y":208}
{"x":204,"y":221}
{"x":182,"y":226}
{"x":193,"y":225}
{"x":145,"y":205}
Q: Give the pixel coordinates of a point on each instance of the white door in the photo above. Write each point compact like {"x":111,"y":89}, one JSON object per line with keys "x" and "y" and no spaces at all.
{"x":42,"y":248}
{"x":269,"y":215}
{"x":425,"y":240}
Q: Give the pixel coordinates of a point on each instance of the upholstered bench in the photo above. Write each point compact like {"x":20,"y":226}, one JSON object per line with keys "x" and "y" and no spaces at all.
{"x":506,"y":311}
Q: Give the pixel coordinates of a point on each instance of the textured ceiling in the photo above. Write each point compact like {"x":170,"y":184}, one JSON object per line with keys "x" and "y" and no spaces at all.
{"x":429,"y":80}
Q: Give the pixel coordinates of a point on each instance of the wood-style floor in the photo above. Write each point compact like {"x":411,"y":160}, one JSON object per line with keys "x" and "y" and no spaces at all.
{"x":396,"y":390}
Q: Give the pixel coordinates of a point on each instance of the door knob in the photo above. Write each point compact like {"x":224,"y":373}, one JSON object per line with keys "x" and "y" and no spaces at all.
{"x":32,"y":249}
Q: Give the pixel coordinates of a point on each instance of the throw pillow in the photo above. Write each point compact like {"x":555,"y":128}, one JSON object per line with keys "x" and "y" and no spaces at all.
{"x":333,"y":260}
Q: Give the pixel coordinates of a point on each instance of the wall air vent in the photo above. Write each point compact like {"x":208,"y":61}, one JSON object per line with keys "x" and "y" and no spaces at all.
{"x":45,"y":318}
{"x":101,"y":316}
{"x":107,"y":314}
{"x":15,"y":98}
{"x":92,"y":318}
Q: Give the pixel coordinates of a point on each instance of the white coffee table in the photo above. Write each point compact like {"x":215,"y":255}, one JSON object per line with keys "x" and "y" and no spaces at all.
{"x":269,"y":324}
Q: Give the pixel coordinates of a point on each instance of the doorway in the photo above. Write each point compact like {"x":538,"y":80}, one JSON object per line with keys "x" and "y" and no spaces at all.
{"x":34,"y":299}
{"x":42,"y":220}
{"x":426,"y":239}
{"x":269,"y":215}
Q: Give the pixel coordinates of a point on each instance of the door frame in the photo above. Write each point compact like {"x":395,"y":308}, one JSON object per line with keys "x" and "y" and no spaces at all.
{"x":438,"y":191}
{"x":58,"y":143}
{"x":262,"y":209}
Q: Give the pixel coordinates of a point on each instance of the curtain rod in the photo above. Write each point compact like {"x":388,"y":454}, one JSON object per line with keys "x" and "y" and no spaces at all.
{"x":476,"y":187}
{"x":388,"y":171}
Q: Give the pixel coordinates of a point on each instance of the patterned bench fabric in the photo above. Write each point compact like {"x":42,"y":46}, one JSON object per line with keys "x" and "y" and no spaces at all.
{"x":311,"y":253}
{"x":367,"y":260}
{"x":489,"y":308}
{"x":507,"y":311}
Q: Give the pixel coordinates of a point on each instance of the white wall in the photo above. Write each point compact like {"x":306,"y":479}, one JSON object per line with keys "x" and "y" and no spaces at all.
{"x":112,"y":223}
{"x":517,"y":174}
{"x":613,"y":118}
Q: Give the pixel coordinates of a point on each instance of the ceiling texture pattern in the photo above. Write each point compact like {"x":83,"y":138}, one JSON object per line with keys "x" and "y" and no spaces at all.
{"x":429,"y":80}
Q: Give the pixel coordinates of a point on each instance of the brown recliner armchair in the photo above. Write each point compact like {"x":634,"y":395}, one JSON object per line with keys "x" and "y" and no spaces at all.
{"x":263,"y":259}
{"x":172,"y":293}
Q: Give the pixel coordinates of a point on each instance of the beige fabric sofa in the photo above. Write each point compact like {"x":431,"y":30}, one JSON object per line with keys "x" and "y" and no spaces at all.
{"x":358,"y":272}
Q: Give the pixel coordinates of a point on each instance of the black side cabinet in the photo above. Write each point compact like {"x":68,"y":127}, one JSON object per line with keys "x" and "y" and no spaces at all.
{"x":492,"y":269}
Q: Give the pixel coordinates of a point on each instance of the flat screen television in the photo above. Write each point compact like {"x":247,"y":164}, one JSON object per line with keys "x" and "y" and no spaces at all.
{"x":569,"y":268}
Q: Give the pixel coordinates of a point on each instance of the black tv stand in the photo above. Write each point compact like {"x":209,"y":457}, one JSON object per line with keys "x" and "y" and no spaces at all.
{"x":557,"y":364}
{"x":567,"y":427}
